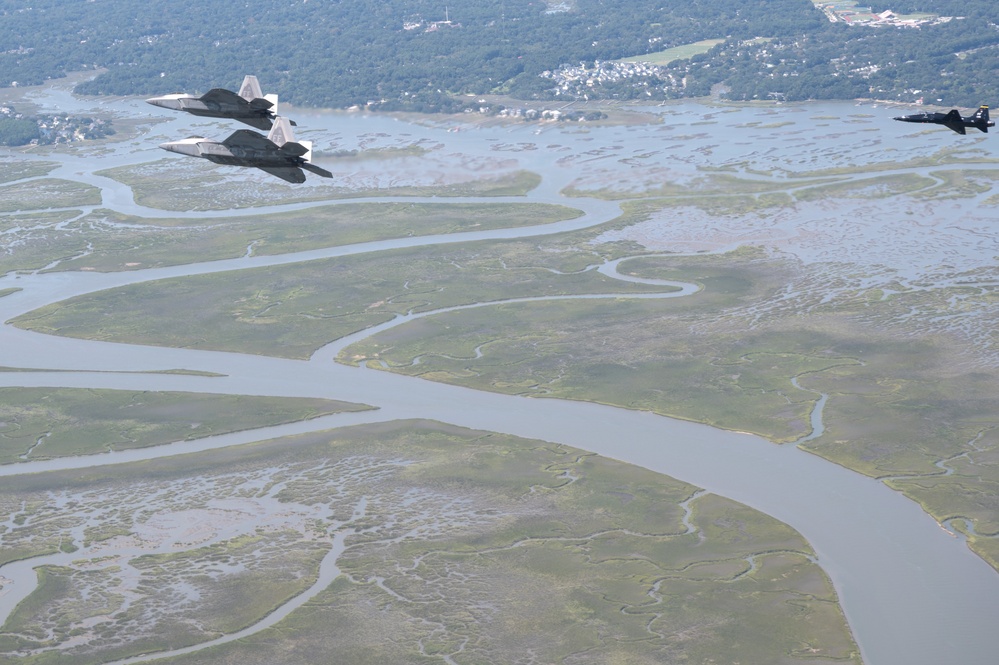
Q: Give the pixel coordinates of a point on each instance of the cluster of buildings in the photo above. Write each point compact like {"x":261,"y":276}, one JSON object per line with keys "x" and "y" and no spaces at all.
{"x":576,"y":81}
{"x":847,"y":11}
{"x":53,"y":129}
{"x":530,"y":114}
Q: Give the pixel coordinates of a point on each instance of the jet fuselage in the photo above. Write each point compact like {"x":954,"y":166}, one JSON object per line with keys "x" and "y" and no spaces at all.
{"x":249,"y":105}
{"x":278,"y":153}
{"x":953,"y":120}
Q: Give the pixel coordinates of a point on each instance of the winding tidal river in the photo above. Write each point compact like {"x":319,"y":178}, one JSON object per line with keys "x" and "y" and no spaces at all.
{"x":913,"y":593}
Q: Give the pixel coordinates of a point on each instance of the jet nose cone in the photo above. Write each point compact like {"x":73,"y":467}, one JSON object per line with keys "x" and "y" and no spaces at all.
{"x":185,"y":147}
{"x":166,"y":102}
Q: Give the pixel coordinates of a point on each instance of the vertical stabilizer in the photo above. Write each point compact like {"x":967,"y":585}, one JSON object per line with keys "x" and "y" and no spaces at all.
{"x":981,"y":118}
{"x":281,"y":132}
{"x":250,"y":89}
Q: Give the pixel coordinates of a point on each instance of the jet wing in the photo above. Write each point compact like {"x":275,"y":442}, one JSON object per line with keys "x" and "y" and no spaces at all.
{"x":260,"y":122}
{"x":222,"y":96}
{"x":289,"y":173}
{"x":245,"y":138}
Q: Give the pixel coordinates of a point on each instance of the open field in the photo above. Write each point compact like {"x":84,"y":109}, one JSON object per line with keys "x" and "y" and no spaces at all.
{"x":447,"y":536}
{"x":677,"y":53}
{"x":40,"y":423}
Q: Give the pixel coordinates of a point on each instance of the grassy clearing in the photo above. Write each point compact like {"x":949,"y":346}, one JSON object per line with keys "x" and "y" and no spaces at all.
{"x":683,"y":52}
{"x":460,"y":530}
{"x":43,"y":423}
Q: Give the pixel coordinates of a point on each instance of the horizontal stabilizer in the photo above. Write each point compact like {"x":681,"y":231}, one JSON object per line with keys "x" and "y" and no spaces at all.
{"x":318,"y":170}
{"x":261,"y":103}
{"x":294,"y":148}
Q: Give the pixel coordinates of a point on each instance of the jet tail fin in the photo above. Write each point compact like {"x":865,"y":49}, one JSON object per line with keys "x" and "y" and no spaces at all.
{"x":250,"y":89}
{"x":981,"y":118}
{"x":281,"y":132}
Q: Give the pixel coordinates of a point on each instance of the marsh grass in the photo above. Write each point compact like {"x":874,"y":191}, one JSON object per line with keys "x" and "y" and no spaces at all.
{"x":290,"y":311}
{"x":47,"y":193}
{"x":203,"y":186}
{"x":20,"y":170}
{"x":473,"y":545}
{"x":58,"y":422}
{"x":138,"y":243}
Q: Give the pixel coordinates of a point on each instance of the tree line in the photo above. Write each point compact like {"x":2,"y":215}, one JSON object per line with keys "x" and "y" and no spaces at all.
{"x":395,"y":54}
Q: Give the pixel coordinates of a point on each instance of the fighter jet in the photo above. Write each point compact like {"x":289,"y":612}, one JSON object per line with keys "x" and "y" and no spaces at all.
{"x":250,"y":106}
{"x":277,"y":153}
{"x":954,"y":120}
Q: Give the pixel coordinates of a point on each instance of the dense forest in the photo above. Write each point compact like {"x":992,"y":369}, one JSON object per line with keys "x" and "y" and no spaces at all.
{"x":418,"y":55}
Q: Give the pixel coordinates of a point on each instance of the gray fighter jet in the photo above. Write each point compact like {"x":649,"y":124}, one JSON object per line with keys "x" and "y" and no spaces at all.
{"x":953,"y":120}
{"x":277,"y":153}
{"x":250,"y":106}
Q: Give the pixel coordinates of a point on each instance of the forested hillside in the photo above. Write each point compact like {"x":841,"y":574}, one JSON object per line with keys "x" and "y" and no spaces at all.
{"x":424,"y":55}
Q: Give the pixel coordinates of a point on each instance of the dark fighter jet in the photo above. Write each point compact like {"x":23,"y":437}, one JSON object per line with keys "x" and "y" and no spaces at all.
{"x":250,"y":106}
{"x":954,"y":120}
{"x":277,"y":153}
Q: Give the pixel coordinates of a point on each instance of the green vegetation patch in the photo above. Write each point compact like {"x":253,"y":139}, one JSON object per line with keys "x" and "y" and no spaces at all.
{"x":35,"y":240}
{"x":7,"y":292}
{"x":44,"y":423}
{"x":570,"y":349}
{"x":868,"y":188}
{"x":683,"y":52}
{"x":199,"y":185}
{"x":730,"y":355}
{"x":21,"y":169}
{"x":47,"y":193}
{"x":713,"y":185}
{"x":466,"y":545}
{"x":131,"y":243}
{"x":961,"y":184}
{"x":291,"y":311}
